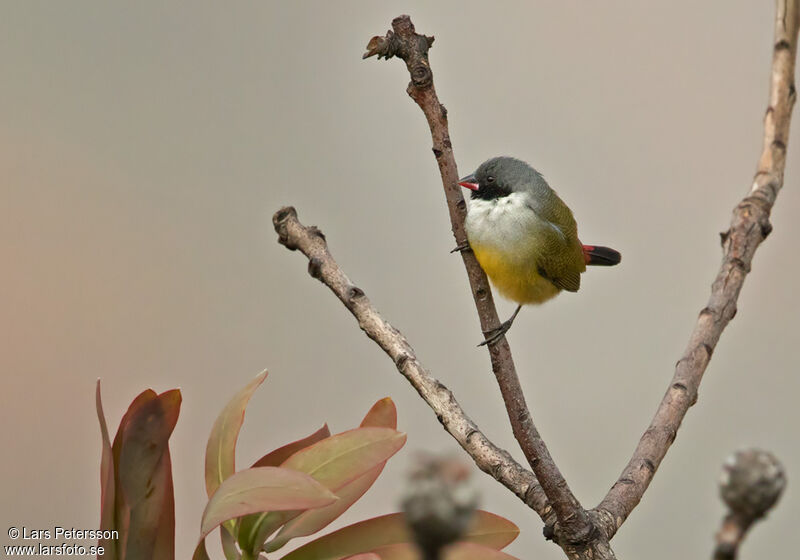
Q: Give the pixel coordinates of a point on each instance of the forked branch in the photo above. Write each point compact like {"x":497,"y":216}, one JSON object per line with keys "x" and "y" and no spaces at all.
{"x":580,"y":533}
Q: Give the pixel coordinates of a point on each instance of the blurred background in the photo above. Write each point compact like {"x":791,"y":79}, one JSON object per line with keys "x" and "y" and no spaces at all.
{"x":145,"y":146}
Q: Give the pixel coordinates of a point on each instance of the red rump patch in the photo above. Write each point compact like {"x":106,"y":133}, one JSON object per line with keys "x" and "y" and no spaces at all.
{"x":587,"y":253}
{"x":600,"y":256}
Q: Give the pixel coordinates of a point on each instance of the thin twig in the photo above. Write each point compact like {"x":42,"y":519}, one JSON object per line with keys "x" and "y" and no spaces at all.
{"x":749,"y":227}
{"x":491,"y":459}
{"x":730,"y":536}
{"x":402,"y":41}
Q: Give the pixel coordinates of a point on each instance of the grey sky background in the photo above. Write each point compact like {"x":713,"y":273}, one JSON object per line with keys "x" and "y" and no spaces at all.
{"x":144,"y":147}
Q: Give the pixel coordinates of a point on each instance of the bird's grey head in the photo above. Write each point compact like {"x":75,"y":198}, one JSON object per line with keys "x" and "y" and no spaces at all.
{"x":500,"y":176}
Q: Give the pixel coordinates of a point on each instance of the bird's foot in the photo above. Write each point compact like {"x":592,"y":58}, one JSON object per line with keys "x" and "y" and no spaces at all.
{"x":495,"y":334}
{"x":461,"y":248}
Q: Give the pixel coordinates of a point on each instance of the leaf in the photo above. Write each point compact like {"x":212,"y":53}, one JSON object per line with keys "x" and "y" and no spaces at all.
{"x":474,"y":551}
{"x":457,"y":551}
{"x":334,"y":462}
{"x":144,"y":490}
{"x":364,"y":556}
{"x":200,"y":553}
{"x":276,"y":457}
{"x":106,"y":482}
{"x":221,"y":447}
{"x":383,"y":414}
{"x":312,"y":520}
{"x":122,"y":512}
{"x":229,"y":545}
{"x":491,"y":530}
{"x":263,"y":489}
{"x":487,"y":529}
{"x":337,"y":460}
{"x":164,"y":542}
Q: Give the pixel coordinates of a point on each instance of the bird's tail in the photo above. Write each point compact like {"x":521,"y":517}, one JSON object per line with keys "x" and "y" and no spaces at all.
{"x":601,"y":256}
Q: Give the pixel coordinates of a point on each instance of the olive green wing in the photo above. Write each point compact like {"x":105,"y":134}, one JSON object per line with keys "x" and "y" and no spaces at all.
{"x":569,"y":281}
{"x":561,"y":260}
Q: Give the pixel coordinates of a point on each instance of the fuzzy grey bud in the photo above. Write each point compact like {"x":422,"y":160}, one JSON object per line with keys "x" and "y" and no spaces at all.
{"x":439,"y":503}
{"x":751,"y":482}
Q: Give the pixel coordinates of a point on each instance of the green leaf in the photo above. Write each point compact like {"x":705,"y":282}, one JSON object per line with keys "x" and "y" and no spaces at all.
{"x":312,"y":520}
{"x":144,"y":492}
{"x":263,"y":489}
{"x":337,"y":460}
{"x":487,"y":529}
{"x":106,"y":482}
{"x":276,"y":457}
{"x":229,"y":545}
{"x":383,"y":414}
{"x":200,"y":553}
{"x":334,"y":462}
{"x":221,"y":447}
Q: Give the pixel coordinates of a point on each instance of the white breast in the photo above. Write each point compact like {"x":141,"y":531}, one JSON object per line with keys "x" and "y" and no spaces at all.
{"x":506,"y":224}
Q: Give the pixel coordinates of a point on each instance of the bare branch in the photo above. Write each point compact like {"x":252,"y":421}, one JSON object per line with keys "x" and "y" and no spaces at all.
{"x":487,"y":456}
{"x":403,"y":41}
{"x":751,"y":483}
{"x":749,"y":227}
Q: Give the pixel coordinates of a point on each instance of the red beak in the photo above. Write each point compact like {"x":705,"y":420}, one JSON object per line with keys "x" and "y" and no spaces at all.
{"x":469,"y":182}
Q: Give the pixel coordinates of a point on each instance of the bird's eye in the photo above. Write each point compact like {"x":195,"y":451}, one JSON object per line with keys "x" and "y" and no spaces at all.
{"x":490,"y":179}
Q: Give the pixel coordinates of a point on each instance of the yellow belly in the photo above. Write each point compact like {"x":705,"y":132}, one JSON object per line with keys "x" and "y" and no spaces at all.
{"x":517,"y":280}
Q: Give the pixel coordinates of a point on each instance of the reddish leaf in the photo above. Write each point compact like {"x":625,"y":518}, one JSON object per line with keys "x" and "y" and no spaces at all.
{"x":383,"y":414}
{"x":276,"y":457}
{"x":144,"y":493}
{"x":263,"y":489}
{"x":106,"y":482}
{"x":487,"y":529}
{"x":121,"y":510}
{"x":474,"y":551}
{"x":334,"y":462}
{"x":402,"y":551}
{"x":457,"y":551}
{"x":221,"y":446}
{"x":164,"y":542}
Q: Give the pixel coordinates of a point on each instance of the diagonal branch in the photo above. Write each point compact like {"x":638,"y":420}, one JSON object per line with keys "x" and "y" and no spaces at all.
{"x":403,"y":41}
{"x":487,"y":456}
{"x":749,"y":227}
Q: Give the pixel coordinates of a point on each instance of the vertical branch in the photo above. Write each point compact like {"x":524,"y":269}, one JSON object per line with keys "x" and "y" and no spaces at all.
{"x":749,"y":227}
{"x":403,"y":41}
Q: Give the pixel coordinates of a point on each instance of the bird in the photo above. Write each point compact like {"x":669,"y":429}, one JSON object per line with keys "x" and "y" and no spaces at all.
{"x":524,"y":236}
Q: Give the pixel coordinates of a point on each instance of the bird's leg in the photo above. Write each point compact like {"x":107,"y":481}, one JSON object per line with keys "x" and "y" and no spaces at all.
{"x":463,"y":247}
{"x":497,"y":333}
